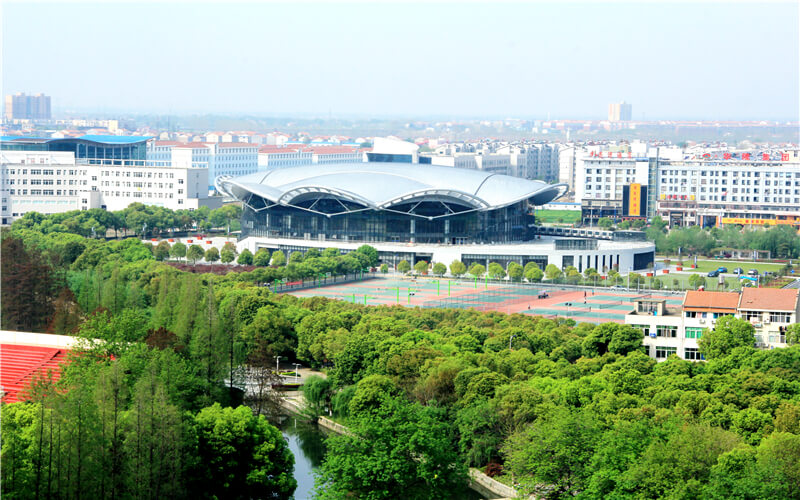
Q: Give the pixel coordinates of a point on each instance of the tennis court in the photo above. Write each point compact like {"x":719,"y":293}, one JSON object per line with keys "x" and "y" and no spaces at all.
{"x":580,"y":305}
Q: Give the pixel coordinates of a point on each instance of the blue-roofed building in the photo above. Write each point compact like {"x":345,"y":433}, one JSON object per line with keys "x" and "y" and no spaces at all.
{"x":85,"y":147}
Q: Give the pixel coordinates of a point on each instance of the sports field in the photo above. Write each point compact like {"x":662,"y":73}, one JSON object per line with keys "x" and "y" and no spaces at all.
{"x":586,"y":306}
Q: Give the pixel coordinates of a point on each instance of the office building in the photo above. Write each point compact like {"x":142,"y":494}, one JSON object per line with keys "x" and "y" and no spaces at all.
{"x":27,"y":107}
{"x":54,"y":176}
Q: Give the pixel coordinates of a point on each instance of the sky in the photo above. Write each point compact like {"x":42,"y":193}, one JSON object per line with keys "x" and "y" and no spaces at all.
{"x":682,"y":60}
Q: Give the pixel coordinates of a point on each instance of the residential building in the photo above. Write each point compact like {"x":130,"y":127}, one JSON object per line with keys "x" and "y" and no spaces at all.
{"x":676,"y":330}
{"x":27,"y":107}
{"x":272,"y":157}
{"x":619,"y":112}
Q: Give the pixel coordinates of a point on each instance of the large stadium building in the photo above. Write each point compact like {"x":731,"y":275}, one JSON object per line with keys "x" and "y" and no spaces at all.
{"x":415,"y":212}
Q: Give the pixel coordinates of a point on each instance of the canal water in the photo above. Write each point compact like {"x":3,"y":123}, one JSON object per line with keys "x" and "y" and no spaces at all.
{"x":307,"y":442}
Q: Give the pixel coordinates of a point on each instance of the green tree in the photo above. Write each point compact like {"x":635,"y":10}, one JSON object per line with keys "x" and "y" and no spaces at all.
{"x":552,"y":272}
{"x":403,"y":266}
{"x":226,"y":256}
{"x":457,"y":268}
{"x":728,"y":334}
{"x":421,"y":267}
{"x":554,"y":451}
{"x":397,"y":447}
{"x":245,"y":258}
{"x":211,"y":255}
{"x":384,"y":268}
{"x":477,"y":270}
{"x":696,"y":281}
{"x":370,"y":253}
{"x":195,"y":253}
{"x":534,"y":275}
{"x":296,"y":257}
{"x":161,"y":251}
{"x":515,"y":271}
{"x":262,"y":257}
{"x":496,"y":271}
{"x":439,"y":269}
{"x":241,"y":455}
{"x":278,"y":258}
{"x":605,"y":223}
{"x":178,"y":251}
{"x":317,"y":392}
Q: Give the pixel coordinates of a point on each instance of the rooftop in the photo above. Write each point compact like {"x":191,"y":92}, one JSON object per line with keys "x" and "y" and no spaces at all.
{"x":711,"y":301}
{"x":769,"y":299}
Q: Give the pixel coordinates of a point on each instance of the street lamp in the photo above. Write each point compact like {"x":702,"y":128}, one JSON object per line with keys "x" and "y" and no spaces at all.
{"x":296,"y":372}
{"x":277,"y":359}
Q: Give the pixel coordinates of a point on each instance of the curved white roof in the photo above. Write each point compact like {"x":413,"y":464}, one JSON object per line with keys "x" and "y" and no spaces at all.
{"x":383,"y":185}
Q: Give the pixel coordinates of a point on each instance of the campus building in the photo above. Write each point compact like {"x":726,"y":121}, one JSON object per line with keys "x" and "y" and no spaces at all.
{"x":54,"y":176}
{"x":420,"y":212}
{"x":219,"y":158}
{"x":676,"y":330}
{"x":27,"y":107}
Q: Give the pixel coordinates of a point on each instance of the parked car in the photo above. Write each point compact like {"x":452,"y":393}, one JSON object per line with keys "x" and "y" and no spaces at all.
{"x":752,"y":272}
{"x":722,"y":269}
{"x":713,"y":274}
{"x":738,"y":270}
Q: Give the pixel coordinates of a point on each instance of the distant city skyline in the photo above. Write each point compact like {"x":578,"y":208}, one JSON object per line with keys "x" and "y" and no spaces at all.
{"x":707,"y":61}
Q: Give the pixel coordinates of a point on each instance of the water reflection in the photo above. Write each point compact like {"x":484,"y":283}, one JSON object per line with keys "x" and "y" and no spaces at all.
{"x":307,"y":443}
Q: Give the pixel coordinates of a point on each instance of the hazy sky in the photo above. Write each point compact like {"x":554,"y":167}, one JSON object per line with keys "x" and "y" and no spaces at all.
{"x":670,"y":60}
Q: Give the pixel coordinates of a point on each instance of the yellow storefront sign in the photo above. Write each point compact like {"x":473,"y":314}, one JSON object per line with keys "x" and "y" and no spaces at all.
{"x":758,"y":222}
{"x":635,"y":200}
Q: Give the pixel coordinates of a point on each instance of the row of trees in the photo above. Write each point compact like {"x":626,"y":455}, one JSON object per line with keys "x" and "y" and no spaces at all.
{"x":781,"y":241}
{"x":138,"y":218}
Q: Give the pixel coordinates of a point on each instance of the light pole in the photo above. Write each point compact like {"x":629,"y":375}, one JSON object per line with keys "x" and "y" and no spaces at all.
{"x":296,"y":372}
{"x":277,"y":359}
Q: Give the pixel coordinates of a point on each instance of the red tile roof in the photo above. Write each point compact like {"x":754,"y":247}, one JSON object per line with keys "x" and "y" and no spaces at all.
{"x":769,"y":299}
{"x":278,"y":149}
{"x":711,"y":301}
{"x":169,"y":143}
{"x":331,"y":150}
{"x":20,"y":364}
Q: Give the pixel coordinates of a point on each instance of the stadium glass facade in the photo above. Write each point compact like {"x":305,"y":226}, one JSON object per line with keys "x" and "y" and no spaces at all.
{"x":427,"y":224}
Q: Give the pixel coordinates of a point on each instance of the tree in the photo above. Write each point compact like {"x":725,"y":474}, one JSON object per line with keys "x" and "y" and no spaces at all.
{"x":226,"y":256}
{"x":278,"y":258}
{"x":28,"y":287}
{"x":245,"y":258}
{"x":457,"y":268}
{"x":261,"y":258}
{"x":195,"y":253}
{"x":439,"y":269}
{"x":161,"y":251}
{"x":421,"y":267}
{"x":696,"y":281}
{"x":403,"y":266}
{"x":728,"y":334}
{"x":317,"y":392}
{"x":515,"y":271}
{"x":370,"y":253}
{"x":241,"y":455}
{"x":552,"y":272}
{"x":178,"y":251}
{"x":477,"y":270}
{"x":396,"y":448}
{"x":496,"y":271}
{"x":212,"y":254}
{"x":605,"y":223}
{"x":296,"y":257}
{"x":384,"y":268}
{"x":534,"y":275}
{"x":554,"y":452}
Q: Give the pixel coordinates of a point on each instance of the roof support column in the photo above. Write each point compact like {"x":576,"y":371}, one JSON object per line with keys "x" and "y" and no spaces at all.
{"x":413,"y":230}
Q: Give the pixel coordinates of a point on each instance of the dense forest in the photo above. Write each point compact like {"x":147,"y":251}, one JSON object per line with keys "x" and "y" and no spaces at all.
{"x":557,"y":409}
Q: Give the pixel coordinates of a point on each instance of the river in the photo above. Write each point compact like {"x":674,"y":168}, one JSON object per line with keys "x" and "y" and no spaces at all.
{"x":307,"y":443}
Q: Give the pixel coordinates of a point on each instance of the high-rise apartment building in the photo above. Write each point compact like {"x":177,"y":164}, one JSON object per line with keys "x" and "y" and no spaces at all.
{"x":619,"y":112}
{"x":27,"y":107}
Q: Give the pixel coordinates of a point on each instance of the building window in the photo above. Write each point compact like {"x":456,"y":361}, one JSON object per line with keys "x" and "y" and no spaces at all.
{"x":691,"y":353}
{"x":693,"y":332}
{"x":780,"y":317}
{"x":644,"y":328}
{"x":751,"y":315}
{"x":667,"y":331}
{"x":664,"y":351}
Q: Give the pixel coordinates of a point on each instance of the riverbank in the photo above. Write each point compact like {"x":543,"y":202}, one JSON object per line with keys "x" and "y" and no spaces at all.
{"x":479,"y":482}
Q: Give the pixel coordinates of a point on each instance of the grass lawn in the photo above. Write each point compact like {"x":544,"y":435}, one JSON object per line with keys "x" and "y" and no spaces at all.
{"x":558,"y":216}
{"x":704,"y":266}
{"x":683,"y":281}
